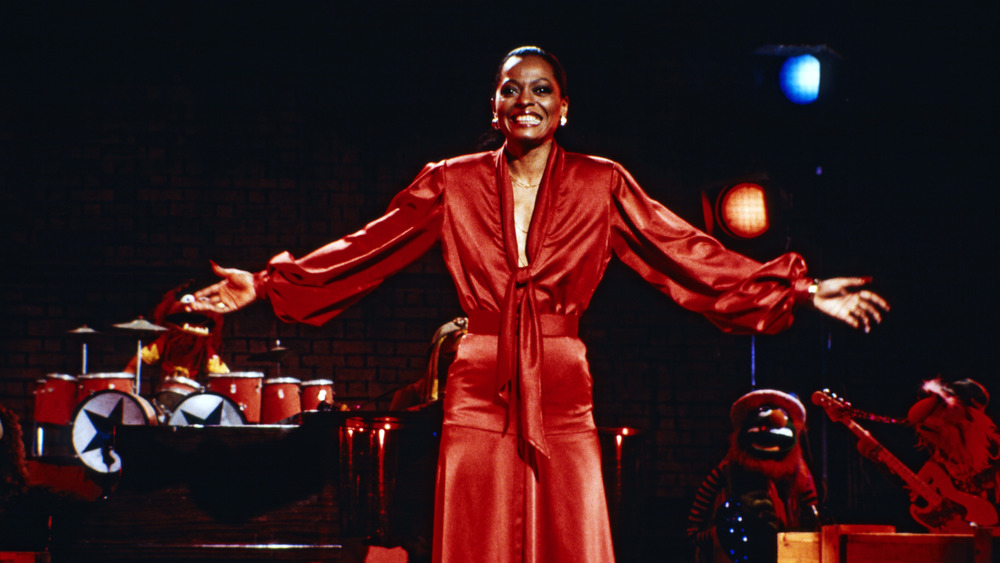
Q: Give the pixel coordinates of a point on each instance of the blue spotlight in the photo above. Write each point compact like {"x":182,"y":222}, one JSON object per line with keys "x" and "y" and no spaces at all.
{"x":800,"y":78}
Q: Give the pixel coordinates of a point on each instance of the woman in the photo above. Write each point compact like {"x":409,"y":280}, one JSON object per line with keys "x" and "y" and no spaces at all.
{"x":526,"y":232}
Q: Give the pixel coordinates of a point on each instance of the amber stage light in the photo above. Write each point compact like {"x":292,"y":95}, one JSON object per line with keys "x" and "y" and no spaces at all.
{"x":742,"y":210}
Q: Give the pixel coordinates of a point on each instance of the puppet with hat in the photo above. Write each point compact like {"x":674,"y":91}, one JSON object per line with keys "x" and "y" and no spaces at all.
{"x":951,"y":424}
{"x":190,"y":347}
{"x":762,"y":486}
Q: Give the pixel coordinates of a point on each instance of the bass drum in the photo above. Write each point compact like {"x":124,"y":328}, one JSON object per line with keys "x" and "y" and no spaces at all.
{"x":172,"y":391}
{"x":95,"y":420}
{"x":207,"y":409}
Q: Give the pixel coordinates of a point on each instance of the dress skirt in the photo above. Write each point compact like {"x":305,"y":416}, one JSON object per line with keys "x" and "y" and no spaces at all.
{"x":492,"y":505}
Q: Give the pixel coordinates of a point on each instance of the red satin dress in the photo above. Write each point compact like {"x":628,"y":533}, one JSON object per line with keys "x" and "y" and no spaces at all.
{"x":519,"y":475}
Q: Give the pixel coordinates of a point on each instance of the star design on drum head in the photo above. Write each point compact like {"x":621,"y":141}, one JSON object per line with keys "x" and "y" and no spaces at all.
{"x":213,"y":419}
{"x":104,"y":426}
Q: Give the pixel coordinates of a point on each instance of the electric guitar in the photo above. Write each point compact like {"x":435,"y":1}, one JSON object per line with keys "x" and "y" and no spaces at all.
{"x":944,"y":509}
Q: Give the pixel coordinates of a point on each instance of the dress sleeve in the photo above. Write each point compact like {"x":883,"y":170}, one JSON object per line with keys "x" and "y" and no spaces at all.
{"x":734,"y":292}
{"x":317,"y":287}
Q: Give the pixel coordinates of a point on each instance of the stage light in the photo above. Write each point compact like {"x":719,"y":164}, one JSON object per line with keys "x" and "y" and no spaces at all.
{"x":742,"y":210}
{"x":803,"y":75}
{"x":800,"y":78}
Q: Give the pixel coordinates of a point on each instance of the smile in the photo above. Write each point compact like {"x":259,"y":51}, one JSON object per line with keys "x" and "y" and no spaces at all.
{"x":786,"y":432}
{"x":528,"y":120}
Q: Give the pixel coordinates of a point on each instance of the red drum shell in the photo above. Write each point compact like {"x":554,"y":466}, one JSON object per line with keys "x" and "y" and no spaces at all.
{"x":55,"y":398}
{"x":243,"y":387}
{"x":315,"y":392}
{"x":280,"y":399}
{"x":93,"y":382}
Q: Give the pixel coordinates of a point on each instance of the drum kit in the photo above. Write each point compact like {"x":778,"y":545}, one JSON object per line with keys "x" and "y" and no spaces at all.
{"x":76,"y":416}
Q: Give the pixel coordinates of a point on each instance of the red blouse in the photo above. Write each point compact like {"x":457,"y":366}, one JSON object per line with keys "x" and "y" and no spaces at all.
{"x":587,"y":209}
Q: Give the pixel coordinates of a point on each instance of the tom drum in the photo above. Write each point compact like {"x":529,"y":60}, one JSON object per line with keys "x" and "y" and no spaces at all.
{"x":317,"y":392}
{"x":93,"y":382}
{"x":243,"y":387}
{"x":280,"y":399}
{"x":55,"y":398}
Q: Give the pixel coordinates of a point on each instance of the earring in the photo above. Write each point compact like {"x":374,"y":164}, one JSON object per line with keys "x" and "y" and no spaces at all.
{"x":496,"y":122}
{"x":562,"y":121}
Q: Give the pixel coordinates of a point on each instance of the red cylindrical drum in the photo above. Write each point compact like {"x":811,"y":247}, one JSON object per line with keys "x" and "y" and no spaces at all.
{"x":280,"y":399}
{"x":55,"y":398}
{"x":243,"y":387}
{"x":316,"y":392}
{"x":93,"y":382}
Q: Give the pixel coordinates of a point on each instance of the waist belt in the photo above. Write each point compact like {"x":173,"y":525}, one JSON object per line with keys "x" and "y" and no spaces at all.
{"x":488,"y":322}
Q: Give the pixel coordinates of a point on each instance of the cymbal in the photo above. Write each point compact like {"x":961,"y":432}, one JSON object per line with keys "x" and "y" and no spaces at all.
{"x":140,"y":324}
{"x":83,"y":330}
{"x":275,"y":354}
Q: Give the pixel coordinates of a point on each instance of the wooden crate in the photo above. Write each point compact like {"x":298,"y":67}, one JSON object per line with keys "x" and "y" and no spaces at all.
{"x":820,"y":547}
{"x":881,"y":544}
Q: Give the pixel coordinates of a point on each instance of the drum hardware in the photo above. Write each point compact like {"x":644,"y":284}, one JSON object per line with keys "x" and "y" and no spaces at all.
{"x":140,"y":325}
{"x":84,"y":332}
{"x":277,"y":354}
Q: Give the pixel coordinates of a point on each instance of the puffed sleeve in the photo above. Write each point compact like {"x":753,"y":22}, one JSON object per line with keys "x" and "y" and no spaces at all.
{"x":317,"y":287}
{"x":734,"y":292}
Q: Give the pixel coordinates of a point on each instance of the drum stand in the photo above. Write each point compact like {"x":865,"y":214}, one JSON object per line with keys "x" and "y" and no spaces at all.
{"x":84,"y":332}
{"x":141,"y":326}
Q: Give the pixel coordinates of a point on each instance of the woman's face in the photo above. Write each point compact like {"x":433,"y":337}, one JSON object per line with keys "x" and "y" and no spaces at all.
{"x":528,"y":103}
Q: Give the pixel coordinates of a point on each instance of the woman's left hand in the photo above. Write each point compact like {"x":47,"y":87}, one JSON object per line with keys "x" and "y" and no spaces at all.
{"x":845,"y":300}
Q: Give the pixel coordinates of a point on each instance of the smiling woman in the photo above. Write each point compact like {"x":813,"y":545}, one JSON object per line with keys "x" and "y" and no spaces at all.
{"x":526,"y":232}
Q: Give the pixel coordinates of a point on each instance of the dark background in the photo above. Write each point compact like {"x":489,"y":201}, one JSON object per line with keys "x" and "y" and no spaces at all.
{"x":139,"y":141}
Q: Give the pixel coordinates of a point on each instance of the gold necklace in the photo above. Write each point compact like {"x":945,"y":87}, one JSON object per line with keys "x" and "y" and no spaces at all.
{"x":523,"y":185}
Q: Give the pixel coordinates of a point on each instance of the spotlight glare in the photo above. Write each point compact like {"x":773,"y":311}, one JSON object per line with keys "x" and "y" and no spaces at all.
{"x":800,"y":78}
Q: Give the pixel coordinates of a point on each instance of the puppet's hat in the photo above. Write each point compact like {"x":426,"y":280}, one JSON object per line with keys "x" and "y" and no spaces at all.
{"x":756,"y":399}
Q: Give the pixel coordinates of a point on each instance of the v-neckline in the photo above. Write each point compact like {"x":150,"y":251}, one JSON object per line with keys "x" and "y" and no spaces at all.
{"x":539,"y":215}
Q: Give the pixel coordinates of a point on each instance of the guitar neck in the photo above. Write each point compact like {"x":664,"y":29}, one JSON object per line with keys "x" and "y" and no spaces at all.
{"x":882,"y":455}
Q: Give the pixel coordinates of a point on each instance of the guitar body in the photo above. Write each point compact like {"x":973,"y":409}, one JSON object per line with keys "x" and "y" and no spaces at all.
{"x":957,"y":511}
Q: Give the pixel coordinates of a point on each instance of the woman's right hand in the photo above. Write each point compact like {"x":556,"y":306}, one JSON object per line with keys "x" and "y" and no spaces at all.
{"x":234,"y":292}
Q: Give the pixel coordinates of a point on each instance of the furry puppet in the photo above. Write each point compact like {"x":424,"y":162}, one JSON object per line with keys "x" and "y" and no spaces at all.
{"x":951,"y":424}
{"x":190,"y":347}
{"x":762,"y":486}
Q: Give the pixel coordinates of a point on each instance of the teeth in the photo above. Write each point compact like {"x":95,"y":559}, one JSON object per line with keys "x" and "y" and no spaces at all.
{"x":528,"y":120}
{"x":195,"y":329}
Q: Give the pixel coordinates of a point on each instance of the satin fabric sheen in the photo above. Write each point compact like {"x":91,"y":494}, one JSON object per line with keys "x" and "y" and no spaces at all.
{"x":519,"y":461}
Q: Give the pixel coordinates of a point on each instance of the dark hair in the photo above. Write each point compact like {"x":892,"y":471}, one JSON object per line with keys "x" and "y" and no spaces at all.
{"x":557,"y":67}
